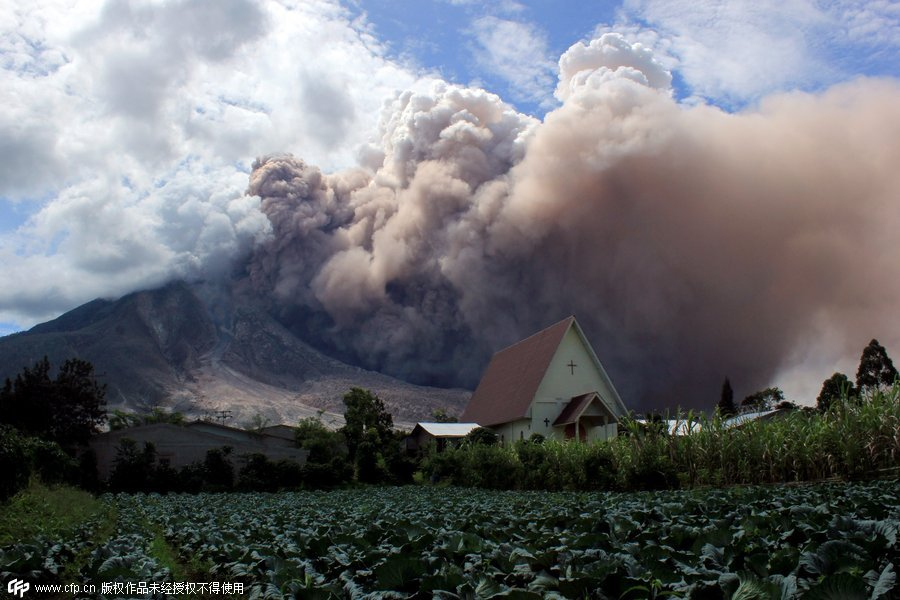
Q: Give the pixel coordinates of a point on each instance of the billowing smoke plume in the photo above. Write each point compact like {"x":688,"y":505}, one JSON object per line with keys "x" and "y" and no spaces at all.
{"x":690,"y":243}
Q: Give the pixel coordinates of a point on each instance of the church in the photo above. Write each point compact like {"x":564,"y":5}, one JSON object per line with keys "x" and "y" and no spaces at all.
{"x":550,"y":383}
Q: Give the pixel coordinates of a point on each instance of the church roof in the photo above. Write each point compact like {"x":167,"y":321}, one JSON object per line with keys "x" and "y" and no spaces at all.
{"x":575,"y":407}
{"x":513,"y":376}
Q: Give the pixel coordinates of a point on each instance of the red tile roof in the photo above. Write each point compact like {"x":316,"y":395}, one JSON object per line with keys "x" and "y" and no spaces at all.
{"x":511,"y":380}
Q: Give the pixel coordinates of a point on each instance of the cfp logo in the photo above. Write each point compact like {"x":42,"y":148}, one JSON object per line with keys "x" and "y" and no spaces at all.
{"x":17,"y":587}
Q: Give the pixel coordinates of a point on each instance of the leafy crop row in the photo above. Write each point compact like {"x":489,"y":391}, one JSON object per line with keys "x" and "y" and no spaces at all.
{"x":825,"y":541}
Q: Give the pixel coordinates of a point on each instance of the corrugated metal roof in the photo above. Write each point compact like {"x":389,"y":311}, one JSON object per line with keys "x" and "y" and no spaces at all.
{"x":448,"y":429}
{"x":677,"y":426}
{"x":749,"y":416}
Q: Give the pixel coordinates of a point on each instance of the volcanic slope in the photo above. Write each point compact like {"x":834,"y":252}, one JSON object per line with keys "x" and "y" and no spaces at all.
{"x":199,"y":349}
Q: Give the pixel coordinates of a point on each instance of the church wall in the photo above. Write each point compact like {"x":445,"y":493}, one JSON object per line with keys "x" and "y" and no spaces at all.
{"x":544,"y":413}
{"x":515,"y":430}
{"x":561,"y":383}
{"x":602,"y":432}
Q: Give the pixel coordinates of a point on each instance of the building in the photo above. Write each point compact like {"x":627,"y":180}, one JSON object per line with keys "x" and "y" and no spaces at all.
{"x":181,"y":445}
{"x":550,"y":383}
{"x":439,"y":434}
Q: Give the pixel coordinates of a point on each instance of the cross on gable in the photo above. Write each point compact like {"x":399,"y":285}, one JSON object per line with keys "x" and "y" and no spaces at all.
{"x":572,"y":366}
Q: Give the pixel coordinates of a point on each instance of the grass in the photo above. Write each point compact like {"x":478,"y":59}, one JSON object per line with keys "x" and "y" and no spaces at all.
{"x":39,"y":510}
{"x":182,"y":568}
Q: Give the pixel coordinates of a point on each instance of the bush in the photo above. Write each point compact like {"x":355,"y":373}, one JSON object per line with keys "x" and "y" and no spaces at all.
{"x":22,"y":457}
{"x":600,"y":471}
{"x":51,"y":463}
{"x":133,"y":468}
{"x":258,"y":475}
{"x":482,"y":436}
{"x":328,"y":463}
{"x":14,"y":468}
{"x":219,"y":472}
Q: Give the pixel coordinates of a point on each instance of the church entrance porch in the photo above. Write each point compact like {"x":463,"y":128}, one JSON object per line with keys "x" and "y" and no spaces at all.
{"x":586,"y":417}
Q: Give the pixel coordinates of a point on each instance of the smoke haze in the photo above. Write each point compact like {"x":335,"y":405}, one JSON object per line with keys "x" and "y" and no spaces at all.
{"x":691,"y":243}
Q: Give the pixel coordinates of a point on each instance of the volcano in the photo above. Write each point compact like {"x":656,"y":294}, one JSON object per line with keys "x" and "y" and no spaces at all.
{"x":206,"y":349}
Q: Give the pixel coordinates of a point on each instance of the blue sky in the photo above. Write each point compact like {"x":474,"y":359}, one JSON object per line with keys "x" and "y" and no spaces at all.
{"x":724,"y":53}
{"x":129,"y":129}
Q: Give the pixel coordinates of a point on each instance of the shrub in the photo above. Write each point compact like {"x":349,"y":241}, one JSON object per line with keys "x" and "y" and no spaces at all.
{"x":132,"y":468}
{"x":219,"y":472}
{"x":481,"y":435}
{"x":14,"y":469}
{"x":258,"y":474}
{"x":51,"y":463}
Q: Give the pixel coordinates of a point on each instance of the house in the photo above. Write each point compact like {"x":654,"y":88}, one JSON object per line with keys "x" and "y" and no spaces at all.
{"x":181,"y":445}
{"x":550,"y":383}
{"x":439,"y":434}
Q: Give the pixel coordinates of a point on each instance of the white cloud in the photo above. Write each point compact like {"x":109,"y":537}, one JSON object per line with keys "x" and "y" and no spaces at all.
{"x":736,"y":51}
{"x":131,"y":128}
{"x":610,"y":55}
{"x":517,"y":52}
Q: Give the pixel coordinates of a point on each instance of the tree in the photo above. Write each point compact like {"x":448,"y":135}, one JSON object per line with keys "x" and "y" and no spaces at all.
{"x":258,"y":423}
{"x":439,"y":415}
{"x":834,"y":388}
{"x":327,"y":463}
{"x":121,"y":419}
{"x":875,"y":368}
{"x":365,"y":411}
{"x":218,"y":470}
{"x":726,"y":403}
{"x":25,"y":404}
{"x":80,"y":403}
{"x":133,"y":467}
{"x":763,"y":400}
{"x":67,"y":409}
{"x":482,"y":436}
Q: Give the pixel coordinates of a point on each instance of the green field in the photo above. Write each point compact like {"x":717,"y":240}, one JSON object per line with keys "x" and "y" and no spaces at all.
{"x":813,"y":541}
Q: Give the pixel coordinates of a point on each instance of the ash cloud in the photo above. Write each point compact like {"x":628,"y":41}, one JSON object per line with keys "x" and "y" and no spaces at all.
{"x":691,"y":243}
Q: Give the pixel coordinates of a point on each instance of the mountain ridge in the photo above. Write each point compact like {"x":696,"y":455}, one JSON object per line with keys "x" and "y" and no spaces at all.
{"x":201,"y":348}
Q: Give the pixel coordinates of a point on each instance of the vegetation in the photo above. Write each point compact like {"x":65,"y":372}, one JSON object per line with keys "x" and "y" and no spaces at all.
{"x":763,"y":400}
{"x":23,"y":458}
{"x":440,"y":415}
{"x":369,"y":434}
{"x":121,"y":419}
{"x":482,"y":436}
{"x":822,"y":541}
{"x":726,"y":406}
{"x":373,"y":446}
{"x":835,"y":388}
{"x":67,"y":409}
{"x":852,"y":439}
{"x":876,"y":370}
{"x":39,"y":510}
{"x":328,"y":463}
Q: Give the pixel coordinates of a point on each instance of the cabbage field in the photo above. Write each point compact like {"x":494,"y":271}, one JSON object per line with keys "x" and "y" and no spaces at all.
{"x":824,"y":541}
